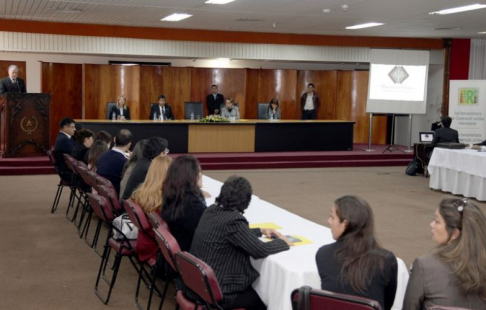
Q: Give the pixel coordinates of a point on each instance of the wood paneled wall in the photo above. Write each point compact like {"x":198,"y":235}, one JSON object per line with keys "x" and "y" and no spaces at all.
{"x":343,"y":93}
{"x":65,"y":84}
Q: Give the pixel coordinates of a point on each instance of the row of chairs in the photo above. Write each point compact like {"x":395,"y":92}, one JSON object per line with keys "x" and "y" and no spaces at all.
{"x":99,"y":198}
{"x":194,"y":108}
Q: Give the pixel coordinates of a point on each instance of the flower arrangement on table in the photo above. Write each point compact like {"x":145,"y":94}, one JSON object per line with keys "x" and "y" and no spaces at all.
{"x":214,"y":119}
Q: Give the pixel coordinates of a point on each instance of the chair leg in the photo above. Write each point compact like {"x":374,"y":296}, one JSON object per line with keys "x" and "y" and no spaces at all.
{"x":57,"y":197}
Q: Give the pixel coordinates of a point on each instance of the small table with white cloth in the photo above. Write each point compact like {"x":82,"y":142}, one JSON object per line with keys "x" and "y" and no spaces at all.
{"x":281,"y":273}
{"x":460,"y":172}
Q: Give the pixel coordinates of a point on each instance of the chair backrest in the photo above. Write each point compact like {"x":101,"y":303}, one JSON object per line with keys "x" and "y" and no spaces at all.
{"x":103,"y":181}
{"x":93,"y":182}
{"x":193,"y":107}
{"x":156,"y":221}
{"x":320,"y":299}
{"x":71,"y":163}
{"x":199,"y":277}
{"x":137,"y":216}
{"x":110,"y":194}
{"x":262,"y":110}
{"x":83,"y":172}
{"x":109,"y":106}
{"x":52,"y":159}
{"x":101,"y":207}
{"x":168,"y":245}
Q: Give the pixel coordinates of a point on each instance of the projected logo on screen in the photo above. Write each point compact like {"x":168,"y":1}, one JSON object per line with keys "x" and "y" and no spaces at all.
{"x":398,"y":75}
{"x":468,"y":96}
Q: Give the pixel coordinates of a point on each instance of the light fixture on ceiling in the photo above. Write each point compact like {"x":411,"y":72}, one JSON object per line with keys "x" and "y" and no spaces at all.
{"x":274,"y":25}
{"x":345,"y":7}
{"x":219,"y":1}
{"x":367,"y":25}
{"x":176,"y":17}
{"x":326,"y":11}
{"x":460,"y":9}
{"x":482,"y":32}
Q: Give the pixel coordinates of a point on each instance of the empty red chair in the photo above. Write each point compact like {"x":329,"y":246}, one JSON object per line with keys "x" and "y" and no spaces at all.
{"x":156,"y":221}
{"x":307,"y":298}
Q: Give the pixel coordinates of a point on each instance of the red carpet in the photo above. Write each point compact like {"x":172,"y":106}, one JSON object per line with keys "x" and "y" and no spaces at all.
{"x":233,"y":161}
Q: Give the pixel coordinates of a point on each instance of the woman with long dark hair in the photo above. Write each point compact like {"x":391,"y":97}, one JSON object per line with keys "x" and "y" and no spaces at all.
{"x":183,"y":200}
{"x":137,"y":154}
{"x":356,"y":264}
{"x":98,"y":148}
{"x":454,"y":274}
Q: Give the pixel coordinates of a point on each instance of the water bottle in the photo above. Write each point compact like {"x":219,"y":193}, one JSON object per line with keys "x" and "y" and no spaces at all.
{"x":192,"y":116}
{"x":113,"y":116}
{"x":155,"y":117}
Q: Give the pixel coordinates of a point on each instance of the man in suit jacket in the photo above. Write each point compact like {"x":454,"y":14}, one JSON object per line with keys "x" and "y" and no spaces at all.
{"x":309,"y":103}
{"x":111,"y":163}
{"x":214,"y":101}
{"x":445,"y":134}
{"x":162,"y":108}
{"x":225,"y":242}
{"x":64,"y":145}
{"x":12,"y":83}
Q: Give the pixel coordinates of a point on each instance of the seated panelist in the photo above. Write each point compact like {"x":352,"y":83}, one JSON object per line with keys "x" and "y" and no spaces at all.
{"x":230,"y":110}
{"x":273,"y":110}
{"x":445,"y":133}
{"x":162,"y":110}
{"x":121,"y":110}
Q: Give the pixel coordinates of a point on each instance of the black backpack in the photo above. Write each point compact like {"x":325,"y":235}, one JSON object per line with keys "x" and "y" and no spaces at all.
{"x":414,"y":167}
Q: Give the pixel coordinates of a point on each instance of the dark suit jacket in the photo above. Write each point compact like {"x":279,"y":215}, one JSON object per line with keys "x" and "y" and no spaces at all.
{"x":225,"y":242}
{"x":79,"y":152}
{"x":445,"y":135}
{"x":315,"y":99}
{"x":126,"y":112}
{"x":155,"y":109}
{"x":6,"y":86}
{"x":110,"y":166}
{"x":432,"y":283}
{"x":213,"y":104}
{"x":63,"y":145}
{"x":382,"y":288}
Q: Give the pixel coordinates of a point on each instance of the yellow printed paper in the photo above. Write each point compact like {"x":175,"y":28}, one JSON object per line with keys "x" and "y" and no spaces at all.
{"x":265,"y":226}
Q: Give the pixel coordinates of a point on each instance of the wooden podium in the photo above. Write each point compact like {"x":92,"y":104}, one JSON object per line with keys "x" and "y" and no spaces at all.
{"x":24,"y":124}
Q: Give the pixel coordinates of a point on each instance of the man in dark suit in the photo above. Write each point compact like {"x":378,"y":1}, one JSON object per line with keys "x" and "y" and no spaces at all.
{"x":214,"y":101}
{"x":309,"y":103}
{"x":224,"y":240}
{"x":162,"y":108}
{"x":445,"y":134}
{"x":64,"y":145}
{"x":12,"y":83}
{"x":110,"y":165}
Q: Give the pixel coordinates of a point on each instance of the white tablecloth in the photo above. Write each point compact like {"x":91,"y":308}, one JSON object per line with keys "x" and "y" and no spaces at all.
{"x":281,"y":273}
{"x":461,"y":172}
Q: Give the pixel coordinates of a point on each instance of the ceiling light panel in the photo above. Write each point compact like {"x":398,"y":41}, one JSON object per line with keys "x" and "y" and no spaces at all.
{"x":459,"y":9}
{"x":219,"y":1}
{"x":361,"y":26}
{"x":176,"y":17}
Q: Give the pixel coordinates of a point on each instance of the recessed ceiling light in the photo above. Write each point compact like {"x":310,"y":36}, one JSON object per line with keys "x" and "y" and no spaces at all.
{"x":175,"y":17}
{"x":460,"y":9}
{"x":219,"y":1}
{"x":367,"y":25}
{"x":482,"y":32}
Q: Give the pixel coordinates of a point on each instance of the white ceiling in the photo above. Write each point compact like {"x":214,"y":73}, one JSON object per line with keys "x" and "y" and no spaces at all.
{"x":402,"y":18}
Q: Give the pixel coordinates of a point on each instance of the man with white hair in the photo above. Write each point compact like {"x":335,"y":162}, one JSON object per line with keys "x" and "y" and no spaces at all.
{"x":12,"y":83}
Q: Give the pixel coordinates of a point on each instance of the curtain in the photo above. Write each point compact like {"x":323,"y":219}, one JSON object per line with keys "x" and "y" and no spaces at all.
{"x":477,"y":60}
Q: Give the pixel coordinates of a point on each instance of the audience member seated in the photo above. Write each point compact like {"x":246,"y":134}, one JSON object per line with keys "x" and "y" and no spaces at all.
{"x":83,"y":140}
{"x":454,"y":274}
{"x":356,"y":264}
{"x":121,"y":110}
{"x":155,"y":146}
{"x":64,"y":145}
{"x":230,"y":110}
{"x":149,"y":197}
{"x":445,"y":134}
{"x":183,"y":201}
{"x":224,"y":240}
{"x":137,"y":154}
{"x":110,"y":165}
{"x":98,"y":148}
{"x":105,"y":136}
{"x":273,"y":110}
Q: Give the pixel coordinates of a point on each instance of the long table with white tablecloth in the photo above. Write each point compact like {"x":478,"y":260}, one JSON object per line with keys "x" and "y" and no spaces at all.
{"x":281,"y":273}
{"x":461,"y":172}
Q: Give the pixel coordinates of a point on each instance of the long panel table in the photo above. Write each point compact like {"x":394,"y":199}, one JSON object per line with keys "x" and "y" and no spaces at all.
{"x":187,"y":136}
{"x":460,"y":172}
{"x":281,"y":273}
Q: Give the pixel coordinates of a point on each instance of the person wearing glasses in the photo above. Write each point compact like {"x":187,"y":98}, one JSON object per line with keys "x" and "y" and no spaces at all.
{"x":273,"y":110}
{"x":454,"y":274}
{"x":154,"y":147}
{"x":230,"y":110}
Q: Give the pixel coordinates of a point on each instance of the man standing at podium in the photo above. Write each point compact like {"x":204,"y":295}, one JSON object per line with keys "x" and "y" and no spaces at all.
{"x":12,"y":83}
